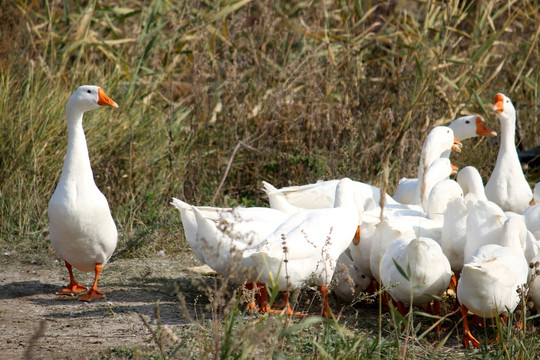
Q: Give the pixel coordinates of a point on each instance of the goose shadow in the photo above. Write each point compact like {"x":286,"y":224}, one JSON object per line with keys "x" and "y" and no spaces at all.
{"x":21,"y":289}
{"x":137,"y":295}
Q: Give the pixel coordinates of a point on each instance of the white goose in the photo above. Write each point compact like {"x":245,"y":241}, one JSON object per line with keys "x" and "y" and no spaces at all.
{"x":464,"y":128}
{"x":311,"y":242}
{"x":239,"y":227}
{"x":82,"y":229}
{"x":440,"y":196}
{"x":507,"y":186}
{"x":467,"y":127}
{"x":349,"y":280}
{"x":439,"y":141}
{"x":429,"y":270}
{"x":489,"y":281}
{"x":320,"y":195}
{"x":485,"y":221}
{"x":454,"y":229}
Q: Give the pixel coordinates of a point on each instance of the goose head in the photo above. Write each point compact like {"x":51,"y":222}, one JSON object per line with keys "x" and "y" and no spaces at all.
{"x":439,"y":140}
{"x":89,"y":97}
{"x":503,"y":107}
{"x":470,"y":181}
{"x":470,"y":126}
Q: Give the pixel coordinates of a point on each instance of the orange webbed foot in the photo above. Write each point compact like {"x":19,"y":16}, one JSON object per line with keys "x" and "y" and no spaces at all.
{"x":72,"y":290}
{"x":468,"y":338}
{"x":91,"y":295}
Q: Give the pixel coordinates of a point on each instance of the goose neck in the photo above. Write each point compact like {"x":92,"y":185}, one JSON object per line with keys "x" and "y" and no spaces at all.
{"x":77,"y":162}
{"x":508,"y":131}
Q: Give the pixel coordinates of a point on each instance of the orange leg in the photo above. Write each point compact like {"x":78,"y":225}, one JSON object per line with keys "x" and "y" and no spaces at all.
{"x":93,"y":293}
{"x":73,"y":288}
{"x":252,"y":305}
{"x":467,"y":336}
{"x":435,"y":309}
{"x":263,"y":297}
{"x":287,"y":310}
{"x":326,"y":312}
{"x":453,"y":283}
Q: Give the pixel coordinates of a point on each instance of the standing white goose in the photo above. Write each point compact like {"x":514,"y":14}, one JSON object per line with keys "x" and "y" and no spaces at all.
{"x":82,"y":229}
{"x":490,"y":279}
{"x":507,"y":186}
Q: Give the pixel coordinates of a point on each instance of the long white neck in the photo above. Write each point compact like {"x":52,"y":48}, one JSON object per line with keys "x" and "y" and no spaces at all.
{"x":508,"y":133}
{"x":77,"y":163}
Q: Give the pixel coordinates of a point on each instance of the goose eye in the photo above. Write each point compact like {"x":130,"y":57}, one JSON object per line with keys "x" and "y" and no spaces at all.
{"x":89,"y":91}
{"x":467,"y":122}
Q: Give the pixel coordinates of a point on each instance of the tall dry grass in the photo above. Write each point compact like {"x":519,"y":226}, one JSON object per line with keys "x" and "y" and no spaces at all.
{"x":217,"y":96}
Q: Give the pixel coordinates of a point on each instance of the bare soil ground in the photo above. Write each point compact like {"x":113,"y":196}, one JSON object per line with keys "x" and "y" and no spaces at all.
{"x":65,"y":328}
{"x":37,"y":324}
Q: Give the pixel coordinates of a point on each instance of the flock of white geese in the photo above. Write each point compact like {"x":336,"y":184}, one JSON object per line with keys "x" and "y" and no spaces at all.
{"x":434,"y":230}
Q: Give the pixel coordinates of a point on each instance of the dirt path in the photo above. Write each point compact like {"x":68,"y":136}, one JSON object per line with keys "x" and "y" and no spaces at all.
{"x":75,"y":330}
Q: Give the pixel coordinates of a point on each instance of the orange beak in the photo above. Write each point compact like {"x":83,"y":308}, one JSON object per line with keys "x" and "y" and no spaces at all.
{"x":483,"y":130}
{"x":498,"y":107}
{"x":454,"y":169}
{"x":532,"y":202}
{"x":104,"y":100}
{"x":457,"y":145}
{"x":356,"y":239}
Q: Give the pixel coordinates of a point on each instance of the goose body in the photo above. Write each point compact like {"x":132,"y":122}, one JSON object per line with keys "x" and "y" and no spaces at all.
{"x":454,"y":229}
{"x":246,"y":225}
{"x":82,"y":229}
{"x":218,"y":236}
{"x":349,"y":280}
{"x":507,"y":186}
{"x":429,"y":270}
{"x":490,"y":280}
{"x":485,"y":222}
{"x":293,"y":199}
{"x":311,"y":242}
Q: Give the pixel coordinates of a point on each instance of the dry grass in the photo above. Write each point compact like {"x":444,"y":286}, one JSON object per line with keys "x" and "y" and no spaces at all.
{"x":240,"y":91}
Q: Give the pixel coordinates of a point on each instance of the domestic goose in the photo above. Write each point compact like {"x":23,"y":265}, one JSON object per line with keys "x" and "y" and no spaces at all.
{"x":218,"y":236}
{"x":305,"y":248}
{"x":490,"y":279}
{"x":507,"y":186}
{"x":464,"y":128}
{"x":82,"y":230}
{"x":439,"y":141}
{"x":427,"y":269}
{"x":454,"y":229}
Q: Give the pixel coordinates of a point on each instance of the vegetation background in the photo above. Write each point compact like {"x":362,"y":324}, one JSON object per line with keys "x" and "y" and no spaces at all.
{"x":216,"y":96}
